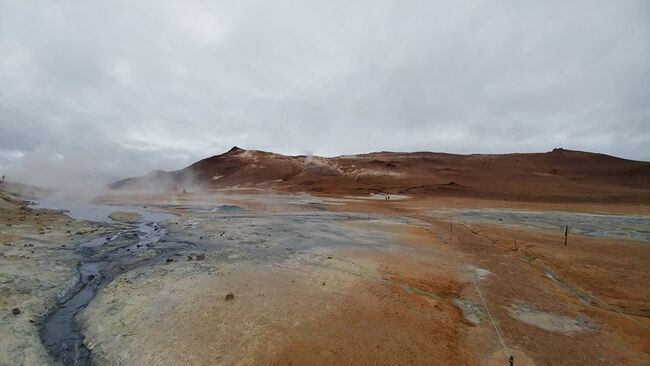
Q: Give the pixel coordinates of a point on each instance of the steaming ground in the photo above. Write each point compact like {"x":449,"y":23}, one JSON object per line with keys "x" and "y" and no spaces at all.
{"x":275,"y":279}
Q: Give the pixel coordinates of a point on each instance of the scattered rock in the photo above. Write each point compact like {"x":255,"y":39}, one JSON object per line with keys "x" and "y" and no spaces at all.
{"x":323,"y":284}
{"x":200,"y":256}
{"x":15,"y":311}
{"x":169,"y":259}
{"x":190,"y":258}
{"x":230,"y":296}
{"x":329,"y":257}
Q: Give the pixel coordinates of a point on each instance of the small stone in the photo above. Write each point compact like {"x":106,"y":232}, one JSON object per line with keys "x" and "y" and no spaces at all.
{"x":200,"y":256}
{"x":230,"y":297}
{"x":201,"y":237}
{"x":323,"y":284}
{"x":190,"y":258}
{"x":329,"y":257}
{"x":15,"y":311}
{"x":169,"y":259}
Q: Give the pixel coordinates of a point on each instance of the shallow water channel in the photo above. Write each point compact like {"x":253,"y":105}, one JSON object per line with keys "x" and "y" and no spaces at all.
{"x":101,"y":259}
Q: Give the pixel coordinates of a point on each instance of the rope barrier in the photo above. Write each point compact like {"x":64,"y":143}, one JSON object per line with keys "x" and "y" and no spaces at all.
{"x":480,"y":294}
{"x":478,"y":290}
{"x":491,"y":318}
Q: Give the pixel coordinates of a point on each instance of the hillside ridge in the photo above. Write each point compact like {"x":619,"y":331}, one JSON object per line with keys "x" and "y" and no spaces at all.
{"x":560,"y":174}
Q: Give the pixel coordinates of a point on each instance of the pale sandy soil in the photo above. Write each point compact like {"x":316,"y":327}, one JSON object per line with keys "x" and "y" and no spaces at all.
{"x":37,"y":266}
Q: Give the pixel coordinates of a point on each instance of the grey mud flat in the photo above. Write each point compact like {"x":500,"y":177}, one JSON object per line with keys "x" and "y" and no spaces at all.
{"x":635,"y":227}
{"x":227,"y":233}
{"x":101,"y":260}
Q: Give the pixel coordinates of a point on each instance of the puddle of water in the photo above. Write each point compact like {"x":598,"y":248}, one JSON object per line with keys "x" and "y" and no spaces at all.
{"x":88,"y":211}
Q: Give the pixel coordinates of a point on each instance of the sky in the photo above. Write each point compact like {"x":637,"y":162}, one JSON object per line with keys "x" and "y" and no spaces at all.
{"x":110,"y":89}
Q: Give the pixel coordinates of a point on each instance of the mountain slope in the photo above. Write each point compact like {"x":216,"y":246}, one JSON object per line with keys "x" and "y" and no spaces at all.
{"x":552,"y":176}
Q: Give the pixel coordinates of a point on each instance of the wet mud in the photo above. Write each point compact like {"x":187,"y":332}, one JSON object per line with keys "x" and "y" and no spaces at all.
{"x":101,"y":260}
{"x":226,"y":233}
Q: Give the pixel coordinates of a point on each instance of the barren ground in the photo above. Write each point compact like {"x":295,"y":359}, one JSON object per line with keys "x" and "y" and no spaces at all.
{"x":333,"y":280}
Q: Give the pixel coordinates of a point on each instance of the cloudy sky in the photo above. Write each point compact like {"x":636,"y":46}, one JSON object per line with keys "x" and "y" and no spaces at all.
{"x":116,"y":88}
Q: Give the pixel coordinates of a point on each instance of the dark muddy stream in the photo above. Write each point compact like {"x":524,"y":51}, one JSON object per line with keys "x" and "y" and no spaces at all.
{"x":101,"y":259}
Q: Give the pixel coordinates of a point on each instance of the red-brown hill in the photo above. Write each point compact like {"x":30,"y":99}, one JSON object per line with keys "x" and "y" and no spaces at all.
{"x":559,"y":175}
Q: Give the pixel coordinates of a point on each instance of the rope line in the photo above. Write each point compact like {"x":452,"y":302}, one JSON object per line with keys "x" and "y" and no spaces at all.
{"x":588,"y":293}
{"x":491,"y":318}
{"x":480,"y":294}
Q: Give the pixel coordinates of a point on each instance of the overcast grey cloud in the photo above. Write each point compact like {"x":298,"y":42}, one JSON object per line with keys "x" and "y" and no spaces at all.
{"x":117,"y":88}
